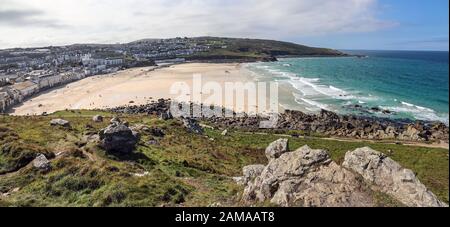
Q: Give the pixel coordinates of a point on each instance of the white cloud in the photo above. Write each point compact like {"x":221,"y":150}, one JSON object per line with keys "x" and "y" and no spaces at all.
{"x":80,"y":21}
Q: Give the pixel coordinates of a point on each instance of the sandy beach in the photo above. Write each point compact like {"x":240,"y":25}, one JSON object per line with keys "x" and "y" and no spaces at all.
{"x":133,"y":86}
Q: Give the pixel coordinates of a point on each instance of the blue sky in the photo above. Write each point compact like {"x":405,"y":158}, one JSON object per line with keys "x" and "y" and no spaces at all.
{"x":419,"y":25}
{"x":339,"y":24}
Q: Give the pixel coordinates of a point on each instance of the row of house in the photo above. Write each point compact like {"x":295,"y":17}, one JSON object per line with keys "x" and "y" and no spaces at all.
{"x":16,"y":93}
{"x":8,"y":97}
{"x":88,"y":60}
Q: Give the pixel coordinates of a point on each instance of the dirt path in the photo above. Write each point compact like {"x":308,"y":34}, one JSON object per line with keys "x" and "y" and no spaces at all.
{"x":404,"y":143}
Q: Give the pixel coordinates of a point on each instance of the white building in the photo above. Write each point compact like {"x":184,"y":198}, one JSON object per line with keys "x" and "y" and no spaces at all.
{"x":88,"y":60}
{"x":8,"y":97}
{"x":49,"y":80}
{"x":26,"y":88}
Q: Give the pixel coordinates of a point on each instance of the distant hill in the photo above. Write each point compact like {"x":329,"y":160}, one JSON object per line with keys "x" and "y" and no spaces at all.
{"x":249,"y":49}
{"x":219,"y":49}
{"x":258,"y":48}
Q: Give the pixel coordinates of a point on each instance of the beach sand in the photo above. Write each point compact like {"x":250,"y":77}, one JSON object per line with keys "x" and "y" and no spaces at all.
{"x":131,"y":87}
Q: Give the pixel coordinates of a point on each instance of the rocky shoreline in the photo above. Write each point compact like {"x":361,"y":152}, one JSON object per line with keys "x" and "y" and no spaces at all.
{"x":324,"y":123}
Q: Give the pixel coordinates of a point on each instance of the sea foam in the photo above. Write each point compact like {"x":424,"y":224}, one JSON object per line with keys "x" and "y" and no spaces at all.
{"x":313,"y":94}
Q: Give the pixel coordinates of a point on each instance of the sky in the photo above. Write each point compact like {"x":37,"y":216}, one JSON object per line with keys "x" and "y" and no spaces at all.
{"x":338,"y":24}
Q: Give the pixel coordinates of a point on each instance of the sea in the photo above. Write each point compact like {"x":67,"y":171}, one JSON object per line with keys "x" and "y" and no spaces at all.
{"x":390,"y":84}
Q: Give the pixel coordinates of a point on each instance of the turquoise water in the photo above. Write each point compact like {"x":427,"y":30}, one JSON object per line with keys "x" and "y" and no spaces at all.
{"x":413,"y":85}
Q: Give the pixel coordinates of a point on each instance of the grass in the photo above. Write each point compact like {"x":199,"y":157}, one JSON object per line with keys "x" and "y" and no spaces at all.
{"x":182,"y":169}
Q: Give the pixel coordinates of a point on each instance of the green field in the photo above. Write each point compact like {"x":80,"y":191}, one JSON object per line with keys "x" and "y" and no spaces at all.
{"x":183,"y":169}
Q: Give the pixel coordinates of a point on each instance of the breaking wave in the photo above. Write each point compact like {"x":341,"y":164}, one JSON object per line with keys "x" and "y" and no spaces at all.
{"x":312,"y":94}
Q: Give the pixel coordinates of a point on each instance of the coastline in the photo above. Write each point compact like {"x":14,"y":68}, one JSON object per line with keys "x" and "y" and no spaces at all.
{"x":326,"y":124}
{"x":141,"y":86}
{"x":137,"y":86}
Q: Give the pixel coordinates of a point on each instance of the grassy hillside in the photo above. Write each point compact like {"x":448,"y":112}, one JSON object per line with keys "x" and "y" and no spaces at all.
{"x":182,"y":169}
{"x":234,"y":48}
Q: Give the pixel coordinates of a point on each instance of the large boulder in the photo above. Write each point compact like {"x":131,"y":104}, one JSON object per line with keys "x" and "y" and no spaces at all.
{"x":117,"y":137}
{"x":389,"y":177}
{"x":277,"y":148}
{"x":307,"y":177}
{"x":60,"y":122}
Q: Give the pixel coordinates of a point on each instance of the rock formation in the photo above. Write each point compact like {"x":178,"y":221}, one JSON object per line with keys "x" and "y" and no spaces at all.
{"x":118,"y":137}
{"x":41,"y":162}
{"x":277,"y":148}
{"x":308,"y":177}
{"x":325,"y":122}
{"x":389,"y":177}
{"x":251,"y":172}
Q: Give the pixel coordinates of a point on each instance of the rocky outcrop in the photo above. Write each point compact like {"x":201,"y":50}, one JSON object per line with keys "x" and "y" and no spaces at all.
{"x":118,"y":137}
{"x":389,"y":177}
{"x":277,"y":148}
{"x":359,"y":127}
{"x":41,"y":163}
{"x":308,"y":177}
{"x":60,"y":122}
{"x":155,"y":107}
{"x":325,"y":122}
